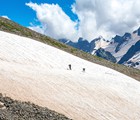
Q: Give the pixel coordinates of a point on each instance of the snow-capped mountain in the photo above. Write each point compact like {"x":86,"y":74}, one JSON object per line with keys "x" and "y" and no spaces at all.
{"x":121,"y":49}
{"x":134,"y":61}
{"x":87,"y":46}
{"x":95,"y":47}
{"x":36,"y":72}
{"x":125,"y":47}
{"x":99,"y":42}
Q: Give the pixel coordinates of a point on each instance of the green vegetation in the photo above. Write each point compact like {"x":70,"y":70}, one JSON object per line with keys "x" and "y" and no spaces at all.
{"x":9,"y":26}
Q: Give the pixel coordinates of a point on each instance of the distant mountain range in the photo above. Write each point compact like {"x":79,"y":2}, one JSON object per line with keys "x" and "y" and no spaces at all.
{"x":120,"y":49}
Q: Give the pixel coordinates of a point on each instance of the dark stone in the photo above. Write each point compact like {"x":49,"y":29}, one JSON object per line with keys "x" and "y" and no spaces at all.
{"x":17,"y":110}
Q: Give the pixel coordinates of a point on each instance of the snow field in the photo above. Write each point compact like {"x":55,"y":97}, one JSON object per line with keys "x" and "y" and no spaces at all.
{"x":36,"y":72}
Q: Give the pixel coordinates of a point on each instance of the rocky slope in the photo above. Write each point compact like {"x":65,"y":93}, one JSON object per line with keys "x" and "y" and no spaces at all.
{"x":16,"y":110}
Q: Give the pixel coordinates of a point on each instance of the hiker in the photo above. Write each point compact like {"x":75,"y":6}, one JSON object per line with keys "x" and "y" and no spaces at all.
{"x":69,"y":66}
{"x":83,"y":69}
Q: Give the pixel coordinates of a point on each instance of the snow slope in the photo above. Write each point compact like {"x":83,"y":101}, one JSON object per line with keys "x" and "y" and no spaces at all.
{"x":33,"y":71}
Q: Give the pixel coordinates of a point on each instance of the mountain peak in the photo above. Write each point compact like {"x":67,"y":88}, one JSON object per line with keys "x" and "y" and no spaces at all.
{"x":137,"y":31}
{"x":101,"y":37}
{"x":81,"y":39}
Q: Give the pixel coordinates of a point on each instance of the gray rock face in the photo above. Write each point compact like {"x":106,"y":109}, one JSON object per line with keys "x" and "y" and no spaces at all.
{"x":105,"y":54}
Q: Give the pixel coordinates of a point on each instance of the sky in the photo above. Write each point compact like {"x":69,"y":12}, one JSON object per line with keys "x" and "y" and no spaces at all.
{"x":72,"y":19}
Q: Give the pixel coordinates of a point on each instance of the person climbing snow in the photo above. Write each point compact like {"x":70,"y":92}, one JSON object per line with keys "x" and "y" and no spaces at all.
{"x":83,"y":69}
{"x":69,"y":66}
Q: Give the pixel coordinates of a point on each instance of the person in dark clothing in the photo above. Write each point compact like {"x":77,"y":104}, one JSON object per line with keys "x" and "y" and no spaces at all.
{"x":69,"y":66}
{"x":83,"y":69}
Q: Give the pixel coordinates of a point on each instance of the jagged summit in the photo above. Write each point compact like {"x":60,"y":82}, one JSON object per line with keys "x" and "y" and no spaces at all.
{"x":114,"y":50}
{"x":137,"y":31}
{"x":121,"y":46}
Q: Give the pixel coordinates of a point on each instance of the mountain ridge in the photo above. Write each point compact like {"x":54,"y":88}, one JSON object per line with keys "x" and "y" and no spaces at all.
{"x":9,"y":26}
{"x":114,"y":49}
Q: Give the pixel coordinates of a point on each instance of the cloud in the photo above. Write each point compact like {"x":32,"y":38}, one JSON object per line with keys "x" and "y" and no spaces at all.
{"x":107,"y":17}
{"x":54,"y":21}
{"x":95,"y":18}
{"x":4,"y":16}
